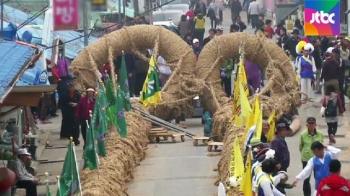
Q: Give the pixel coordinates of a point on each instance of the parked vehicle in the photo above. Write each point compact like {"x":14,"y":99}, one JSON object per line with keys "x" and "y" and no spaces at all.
{"x":182,"y":7}
{"x":169,"y":25}
{"x":167,"y":15}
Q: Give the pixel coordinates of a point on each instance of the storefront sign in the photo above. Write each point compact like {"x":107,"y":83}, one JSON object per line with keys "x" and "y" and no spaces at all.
{"x":322,"y":18}
{"x":65,"y":14}
{"x":99,"y":5}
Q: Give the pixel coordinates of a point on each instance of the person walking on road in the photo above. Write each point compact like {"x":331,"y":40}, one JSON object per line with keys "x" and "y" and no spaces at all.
{"x":184,"y":26}
{"x":253,"y":12}
{"x":307,"y":137}
{"x":291,"y":44}
{"x":236,"y":8}
{"x":333,"y":108}
{"x":307,"y":72}
{"x":330,"y":71}
{"x":318,"y":164}
{"x":335,"y":184}
{"x":213,"y":14}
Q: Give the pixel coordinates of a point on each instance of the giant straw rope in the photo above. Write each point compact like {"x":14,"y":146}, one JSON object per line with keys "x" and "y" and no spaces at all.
{"x":187,"y":81}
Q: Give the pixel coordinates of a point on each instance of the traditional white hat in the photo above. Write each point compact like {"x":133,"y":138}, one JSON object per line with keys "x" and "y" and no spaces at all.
{"x":330,"y":49}
{"x":309,"y":47}
{"x":90,"y":90}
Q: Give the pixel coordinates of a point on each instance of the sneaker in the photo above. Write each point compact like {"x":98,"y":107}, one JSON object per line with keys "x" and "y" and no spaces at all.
{"x":288,"y":186}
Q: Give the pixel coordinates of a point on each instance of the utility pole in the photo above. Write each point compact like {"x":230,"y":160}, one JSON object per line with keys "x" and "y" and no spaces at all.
{"x":85,"y":22}
{"x":2,"y":19}
{"x":120,"y":10}
{"x":124,"y":5}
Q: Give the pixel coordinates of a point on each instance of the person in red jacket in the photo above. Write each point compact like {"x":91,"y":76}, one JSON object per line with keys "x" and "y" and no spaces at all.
{"x":82,"y":112}
{"x":335,"y":184}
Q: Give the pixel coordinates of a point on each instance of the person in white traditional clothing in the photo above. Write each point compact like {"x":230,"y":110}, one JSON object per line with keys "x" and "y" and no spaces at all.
{"x":318,"y":164}
{"x":164,"y":70}
{"x":307,"y":72}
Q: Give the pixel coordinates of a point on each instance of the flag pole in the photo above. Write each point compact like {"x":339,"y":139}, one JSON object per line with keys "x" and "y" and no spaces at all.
{"x":58,"y":185}
{"x":47,"y":182}
{"x":71,"y":163}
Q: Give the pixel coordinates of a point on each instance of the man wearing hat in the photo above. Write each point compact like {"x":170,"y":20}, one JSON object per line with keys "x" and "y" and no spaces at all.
{"x":279,"y":145}
{"x":196,"y":47}
{"x":291,"y":44}
{"x":24,"y":179}
{"x":307,"y":137}
{"x":306,"y":69}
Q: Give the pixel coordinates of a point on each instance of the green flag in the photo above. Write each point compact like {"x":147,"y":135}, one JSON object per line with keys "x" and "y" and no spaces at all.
{"x":101,"y":130}
{"x":124,"y":85}
{"x":111,"y":98}
{"x":48,"y":191}
{"x":151,"y":90}
{"x":69,"y":182}
{"x":110,"y":94}
{"x":121,"y":121}
{"x":90,"y":156}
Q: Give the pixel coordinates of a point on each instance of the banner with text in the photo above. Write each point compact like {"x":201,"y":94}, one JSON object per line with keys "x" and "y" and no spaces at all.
{"x":65,"y":15}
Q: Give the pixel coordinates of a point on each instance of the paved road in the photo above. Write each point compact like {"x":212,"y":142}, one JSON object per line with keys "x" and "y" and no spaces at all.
{"x":174,"y":169}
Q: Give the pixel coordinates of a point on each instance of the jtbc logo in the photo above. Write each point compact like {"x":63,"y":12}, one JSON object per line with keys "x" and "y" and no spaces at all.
{"x":322,"y":18}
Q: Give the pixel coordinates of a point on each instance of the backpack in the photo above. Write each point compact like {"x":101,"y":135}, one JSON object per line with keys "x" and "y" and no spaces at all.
{"x":331,"y":109}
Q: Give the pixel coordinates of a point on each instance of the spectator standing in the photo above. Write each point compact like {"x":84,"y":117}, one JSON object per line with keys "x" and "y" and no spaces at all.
{"x":317,"y":55}
{"x":184,"y":26}
{"x":299,"y":27}
{"x":226,"y":72}
{"x":332,"y":109}
{"x":253,"y":12}
{"x":220,"y":3}
{"x":240,"y":24}
{"x":199,"y":27}
{"x":164,"y":70}
{"x":196,"y":47}
{"x":69,"y":126}
{"x":212,"y":33}
{"x":236,"y":8}
{"x":283,"y":37}
{"x":335,"y":184}
{"x":307,"y":137}
{"x":279,"y":145}
{"x":343,"y":59}
{"x":190,"y":16}
{"x":82,"y":112}
{"x":269,"y":30}
{"x":291,"y":44}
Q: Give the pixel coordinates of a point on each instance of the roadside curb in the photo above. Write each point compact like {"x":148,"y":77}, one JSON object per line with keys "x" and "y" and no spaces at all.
{"x":41,"y":147}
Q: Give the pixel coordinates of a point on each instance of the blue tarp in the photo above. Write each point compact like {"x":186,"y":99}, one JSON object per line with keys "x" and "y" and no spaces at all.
{"x":13,"y":60}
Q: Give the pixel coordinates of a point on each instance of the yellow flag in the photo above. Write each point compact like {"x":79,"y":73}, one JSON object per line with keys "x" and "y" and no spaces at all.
{"x":246,"y":185}
{"x":243,"y":77}
{"x":272,"y":122}
{"x":258,"y":130}
{"x":236,"y":163}
{"x":243,"y":108}
{"x":253,"y":117}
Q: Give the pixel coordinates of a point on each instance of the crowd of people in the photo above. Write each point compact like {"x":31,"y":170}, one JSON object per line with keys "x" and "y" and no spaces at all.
{"x":271,"y":161}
